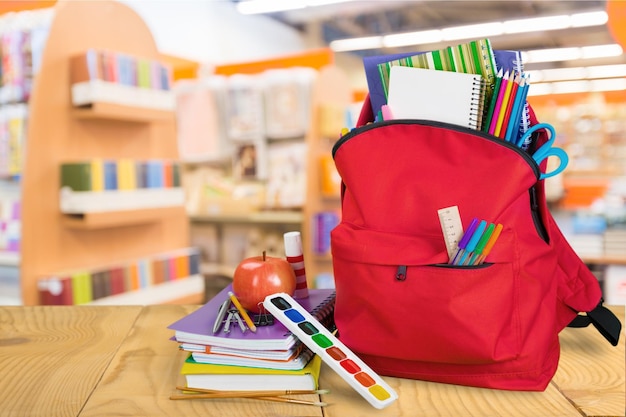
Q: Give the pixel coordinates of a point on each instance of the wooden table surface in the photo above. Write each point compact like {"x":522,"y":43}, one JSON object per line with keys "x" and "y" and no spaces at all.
{"x":119,"y":361}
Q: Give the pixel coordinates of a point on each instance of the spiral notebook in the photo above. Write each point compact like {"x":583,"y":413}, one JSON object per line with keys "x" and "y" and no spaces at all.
{"x":196,"y":328}
{"x":443,"y":96}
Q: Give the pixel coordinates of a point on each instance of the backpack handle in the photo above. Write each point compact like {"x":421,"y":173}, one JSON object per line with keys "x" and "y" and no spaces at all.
{"x":603,"y":320}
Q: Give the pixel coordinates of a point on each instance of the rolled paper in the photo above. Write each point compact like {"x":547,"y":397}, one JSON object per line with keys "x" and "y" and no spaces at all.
{"x":295,"y":257}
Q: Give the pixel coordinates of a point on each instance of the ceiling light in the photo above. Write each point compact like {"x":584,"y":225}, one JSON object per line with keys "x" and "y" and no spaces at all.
{"x":571,"y":54}
{"x":558,"y":74}
{"x":606,"y":71}
{"x":601,"y":51}
{"x":264,"y":6}
{"x":412,"y":38}
{"x":551,"y":55}
{"x":610,"y":84}
{"x":489,"y":29}
{"x":577,"y":73}
{"x":482,"y":30}
{"x":537,"y":24}
{"x":566,"y":87}
{"x":589,"y":19}
{"x":273,"y":6}
{"x":357,"y":44}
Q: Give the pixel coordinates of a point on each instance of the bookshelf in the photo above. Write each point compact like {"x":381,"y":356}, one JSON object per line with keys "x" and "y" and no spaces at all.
{"x":330,"y":99}
{"x":53,"y":241}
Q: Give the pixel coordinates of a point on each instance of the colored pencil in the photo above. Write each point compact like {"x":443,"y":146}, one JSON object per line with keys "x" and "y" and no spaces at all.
{"x":242,"y":312}
{"x":509,"y":107}
{"x":502,"y":110}
{"x":498,"y":105}
{"x":524,"y":125}
{"x":492,"y":103}
{"x":516,"y":115}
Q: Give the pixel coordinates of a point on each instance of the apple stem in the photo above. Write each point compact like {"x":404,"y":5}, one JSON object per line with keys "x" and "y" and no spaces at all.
{"x":263,"y":256}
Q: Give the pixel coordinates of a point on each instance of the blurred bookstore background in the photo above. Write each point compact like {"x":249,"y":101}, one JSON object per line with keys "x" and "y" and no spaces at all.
{"x":211,"y":133}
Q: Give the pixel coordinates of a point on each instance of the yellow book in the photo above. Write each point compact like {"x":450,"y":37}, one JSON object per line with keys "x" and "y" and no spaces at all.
{"x":81,"y":287}
{"x":97,"y":175}
{"x":241,"y":378}
{"x":126,"y":177}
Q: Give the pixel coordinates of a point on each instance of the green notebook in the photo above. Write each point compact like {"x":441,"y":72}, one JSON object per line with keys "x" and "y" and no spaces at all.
{"x":475,"y":57}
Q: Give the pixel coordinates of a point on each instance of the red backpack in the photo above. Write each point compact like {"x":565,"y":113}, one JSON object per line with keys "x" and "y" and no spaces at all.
{"x":403,"y":308}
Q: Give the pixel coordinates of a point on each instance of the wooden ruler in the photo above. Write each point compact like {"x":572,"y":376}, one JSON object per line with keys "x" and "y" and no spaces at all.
{"x":451,"y":226}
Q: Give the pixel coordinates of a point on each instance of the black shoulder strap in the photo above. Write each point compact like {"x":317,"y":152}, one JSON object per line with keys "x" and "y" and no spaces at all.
{"x":603,"y":320}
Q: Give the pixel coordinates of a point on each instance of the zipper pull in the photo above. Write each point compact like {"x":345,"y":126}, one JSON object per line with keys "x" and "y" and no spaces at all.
{"x":401,"y":273}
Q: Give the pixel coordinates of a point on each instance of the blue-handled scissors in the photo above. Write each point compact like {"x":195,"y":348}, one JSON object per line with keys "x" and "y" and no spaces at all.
{"x":546,"y":149}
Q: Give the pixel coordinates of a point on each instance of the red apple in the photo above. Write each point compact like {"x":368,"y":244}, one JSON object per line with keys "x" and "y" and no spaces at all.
{"x":257,"y":277}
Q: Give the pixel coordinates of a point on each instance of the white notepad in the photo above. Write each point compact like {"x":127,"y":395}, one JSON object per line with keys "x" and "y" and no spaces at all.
{"x":443,"y":96}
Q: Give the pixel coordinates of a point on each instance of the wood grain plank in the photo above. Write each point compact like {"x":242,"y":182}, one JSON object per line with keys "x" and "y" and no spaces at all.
{"x":145,"y":373}
{"x":421,"y":398}
{"x":52,"y":357}
{"x":591,"y":371}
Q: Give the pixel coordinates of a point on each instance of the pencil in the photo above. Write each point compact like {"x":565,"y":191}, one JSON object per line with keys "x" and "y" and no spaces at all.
{"x":505,"y":100}
{"x":492,"y":104}
{"x":515,"y":120}
{"x":199,"y":393}
{"x":250,"y":397}
{"x":496,"y":111}
{"x":242,"y":311}
{"x":509,"y":107}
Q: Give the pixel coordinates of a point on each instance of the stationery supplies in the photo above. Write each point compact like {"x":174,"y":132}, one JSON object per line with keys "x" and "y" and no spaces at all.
{"x":452,"y":228}
{"x":473,"y":243}
{"x":494,"y":323}
{"x":197,"y":327}
{"x":295,"y":257}
{"x":265,"y":395}
{"x":475,"y":57}
{"x":450,"y":97}
{"x":241,"y":378}
{"x":334,"y":353}
{"x":546,"y":149}
{"x":242,"y":312}
{"x":464,"y":241}
{"x":298,"y":357}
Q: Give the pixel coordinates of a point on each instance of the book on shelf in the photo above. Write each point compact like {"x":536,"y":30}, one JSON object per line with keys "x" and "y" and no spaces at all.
{"x":82,"y":286}
{"x":197,"y":327}
{"x":110,"y":76}
{"x":240,"y":378}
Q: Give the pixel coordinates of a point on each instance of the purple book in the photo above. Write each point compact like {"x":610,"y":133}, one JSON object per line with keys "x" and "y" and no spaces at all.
{"x":197,"y":327}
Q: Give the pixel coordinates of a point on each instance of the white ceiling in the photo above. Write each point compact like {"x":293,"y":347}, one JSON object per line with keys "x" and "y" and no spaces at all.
{"x":375,"y":17}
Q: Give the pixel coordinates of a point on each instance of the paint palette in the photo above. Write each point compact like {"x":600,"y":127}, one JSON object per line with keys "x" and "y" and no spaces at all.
{"x":336,"y":355}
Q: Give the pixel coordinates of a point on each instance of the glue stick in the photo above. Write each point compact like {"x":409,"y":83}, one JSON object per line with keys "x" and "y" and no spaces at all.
{"x":295,"y":257}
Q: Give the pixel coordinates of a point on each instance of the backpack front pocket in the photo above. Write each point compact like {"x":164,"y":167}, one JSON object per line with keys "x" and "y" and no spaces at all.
{"x":395,"y":298}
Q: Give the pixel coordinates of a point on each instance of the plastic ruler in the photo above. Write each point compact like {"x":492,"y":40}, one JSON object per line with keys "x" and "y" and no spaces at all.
{"x":451,"y":226}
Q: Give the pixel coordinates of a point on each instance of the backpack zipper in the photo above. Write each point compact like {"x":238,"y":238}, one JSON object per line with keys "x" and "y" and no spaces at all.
{"x":359,"y":130}
{"x":401,"y":273}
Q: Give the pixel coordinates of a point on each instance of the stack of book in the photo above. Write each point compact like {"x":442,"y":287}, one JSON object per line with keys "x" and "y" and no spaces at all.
{"x":224,"y":354}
